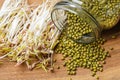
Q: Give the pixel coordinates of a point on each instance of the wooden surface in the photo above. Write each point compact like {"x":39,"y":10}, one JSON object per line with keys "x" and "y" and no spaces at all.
{"x":111,"y":70}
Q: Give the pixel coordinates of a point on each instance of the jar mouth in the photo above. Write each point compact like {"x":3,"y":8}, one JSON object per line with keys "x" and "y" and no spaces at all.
{"x":58,"y":17}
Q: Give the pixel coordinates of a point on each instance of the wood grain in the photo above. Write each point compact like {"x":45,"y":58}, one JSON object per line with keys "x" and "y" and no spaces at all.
{"x":111,"y":70}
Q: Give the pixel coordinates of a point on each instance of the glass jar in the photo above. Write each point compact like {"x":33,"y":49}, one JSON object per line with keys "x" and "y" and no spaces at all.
{"x":99,"y":14}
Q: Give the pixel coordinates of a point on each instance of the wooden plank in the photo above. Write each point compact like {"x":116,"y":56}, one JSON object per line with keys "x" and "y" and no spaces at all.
{"x":1,"y":1}
{"x":111,"y":70}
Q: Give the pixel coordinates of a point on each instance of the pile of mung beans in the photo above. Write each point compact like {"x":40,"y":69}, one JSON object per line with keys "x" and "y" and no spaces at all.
{"x":89,"y":56}
{"x":77,"y":26}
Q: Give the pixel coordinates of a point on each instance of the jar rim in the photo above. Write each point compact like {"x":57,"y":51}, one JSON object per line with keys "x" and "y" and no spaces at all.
{"x":66,"y":5}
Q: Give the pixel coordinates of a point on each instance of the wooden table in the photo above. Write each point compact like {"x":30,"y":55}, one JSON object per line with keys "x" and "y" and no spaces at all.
{"x":111,"y":70}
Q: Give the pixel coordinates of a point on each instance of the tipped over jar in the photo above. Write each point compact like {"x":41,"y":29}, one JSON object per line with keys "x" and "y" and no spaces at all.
{"x":83,"y":20}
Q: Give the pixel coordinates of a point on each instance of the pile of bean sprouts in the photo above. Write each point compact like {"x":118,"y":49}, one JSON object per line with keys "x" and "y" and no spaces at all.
{"x":27,"y":34}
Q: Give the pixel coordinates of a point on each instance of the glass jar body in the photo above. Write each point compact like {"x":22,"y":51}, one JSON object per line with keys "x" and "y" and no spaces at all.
{"x":92,"y":13}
